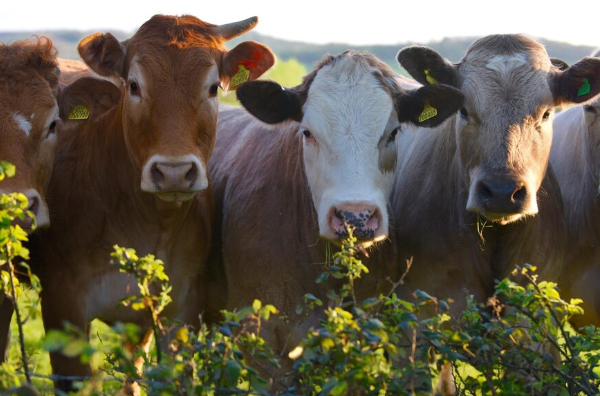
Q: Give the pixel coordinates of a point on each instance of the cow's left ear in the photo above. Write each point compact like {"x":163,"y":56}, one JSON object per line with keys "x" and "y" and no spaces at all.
{"x":430,"y":105}
{"x":578,"y":83}
{"x":246,"y":62}
{"x":87,"y":99}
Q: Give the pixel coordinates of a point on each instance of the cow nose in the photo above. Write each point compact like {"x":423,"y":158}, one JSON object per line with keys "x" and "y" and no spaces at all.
{"x":39,"y":210}
{"x":174,"y":176}
{"x":502,"y":196}
{"x":363,"y":219}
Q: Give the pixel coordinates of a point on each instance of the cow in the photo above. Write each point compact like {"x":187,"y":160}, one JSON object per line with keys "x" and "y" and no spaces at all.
{"x":32,"y":103}
{"x":138,"y":176}
{"x":488,"y":199}
{"x":575,"y":159}
{"x":326,"y":161}
{"x":476,"y":197}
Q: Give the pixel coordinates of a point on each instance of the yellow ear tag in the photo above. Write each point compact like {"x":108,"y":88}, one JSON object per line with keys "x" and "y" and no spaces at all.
{"x":428,"y":112}
{"x":79,"y":112}
{"x":240,"y":77}
{"x":430,"y":78}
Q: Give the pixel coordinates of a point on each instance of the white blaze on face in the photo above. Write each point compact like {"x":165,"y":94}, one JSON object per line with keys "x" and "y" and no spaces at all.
{"x":23,"y":123}
{"x":347,"y":113}
{"x":506,"y":63}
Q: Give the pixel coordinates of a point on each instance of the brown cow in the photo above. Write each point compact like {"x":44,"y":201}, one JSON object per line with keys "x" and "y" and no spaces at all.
{"x":331,"y":161}
{"x":30,"y":97}
{"x":575,"y":157}
{"x":137,"y":177}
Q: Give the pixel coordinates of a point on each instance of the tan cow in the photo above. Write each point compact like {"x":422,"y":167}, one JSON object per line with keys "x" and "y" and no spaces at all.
{"x":30,"y":97}
{"x":137,"y":177}
{"x":575,"y":157}
{"x":476,"y":197}
{"x":282,"y":190}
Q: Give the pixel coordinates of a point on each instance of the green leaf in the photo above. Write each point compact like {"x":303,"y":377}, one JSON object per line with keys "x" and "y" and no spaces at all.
{"x":256,"y":305}
{"x":55,"y":340}
{"x":75,"y":348}
{"x":232,"y":373}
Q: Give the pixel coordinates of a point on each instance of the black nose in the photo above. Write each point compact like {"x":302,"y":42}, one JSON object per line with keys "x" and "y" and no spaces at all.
{"x":502,"y":195}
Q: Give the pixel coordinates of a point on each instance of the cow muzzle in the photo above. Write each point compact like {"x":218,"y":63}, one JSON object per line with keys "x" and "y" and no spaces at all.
{"x":174,"y":179}
{"x":35,"y":205}
{"x":502,"y":199}
{"x":365,"y":221}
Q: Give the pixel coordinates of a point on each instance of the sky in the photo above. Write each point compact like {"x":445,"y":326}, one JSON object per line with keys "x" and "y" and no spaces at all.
{"x":326,"y":21}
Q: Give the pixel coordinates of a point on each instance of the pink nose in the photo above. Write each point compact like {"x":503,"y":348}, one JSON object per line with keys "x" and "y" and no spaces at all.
{"x":174,"y":176}
{"x":363,"y":219}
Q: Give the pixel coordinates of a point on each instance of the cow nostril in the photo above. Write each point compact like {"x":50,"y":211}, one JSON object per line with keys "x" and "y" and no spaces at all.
{"x":373,"y":221}
{"x":519,"y":194}
{"x":192,"y":174}
{"x":34,"y":204}
{"x":156,"y":174}
{"x":484,"y":191}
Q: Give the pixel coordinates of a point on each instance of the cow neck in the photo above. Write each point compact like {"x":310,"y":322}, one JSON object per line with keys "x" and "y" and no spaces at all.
{"x":580,"y":185}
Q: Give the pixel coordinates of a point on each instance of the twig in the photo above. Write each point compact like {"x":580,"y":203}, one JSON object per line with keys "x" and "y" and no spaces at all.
{"x":19,"y":323}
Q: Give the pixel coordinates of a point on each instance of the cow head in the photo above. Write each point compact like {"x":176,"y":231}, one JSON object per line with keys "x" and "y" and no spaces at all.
{"x":504,"y":131}
{"x":350,"y":110}
{"x":172,"y":69}
{"x":31,"y":106}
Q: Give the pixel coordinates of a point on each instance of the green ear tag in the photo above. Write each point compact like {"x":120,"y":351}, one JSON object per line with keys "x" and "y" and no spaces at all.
{"x":428,"y":112}
{"x":429,"y":78}
{"x":240,"y":77}
{"x":585,"y":87}
{"x":79,"y":112}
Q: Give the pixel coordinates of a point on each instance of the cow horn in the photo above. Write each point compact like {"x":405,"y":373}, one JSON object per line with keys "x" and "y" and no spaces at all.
{"x":234,"y":29}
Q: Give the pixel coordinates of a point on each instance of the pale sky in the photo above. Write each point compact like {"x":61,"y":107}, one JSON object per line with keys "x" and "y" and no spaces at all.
{"x":323,"y":21}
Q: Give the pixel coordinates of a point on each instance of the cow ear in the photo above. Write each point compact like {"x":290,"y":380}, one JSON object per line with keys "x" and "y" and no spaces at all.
{"x":270,"y":102}
{"x":87,"y":99}
{"x":103,"y":53}
{"x":247,"y":61}
{"x":427,"y":66}
{"x":578,"y":83}
{"x":559,"y":63}
{"x":430,"y":105}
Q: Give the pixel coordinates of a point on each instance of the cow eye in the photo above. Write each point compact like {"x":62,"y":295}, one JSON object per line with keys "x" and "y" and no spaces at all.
{"x":464,"y":114}
{"x":213,"y":90}
{"x":393,"y":135}
{"x":546,"y":115}
{"x":306,"y":133}
{"x":134,"y":88}
{"x":52,"y":128}
{"x":590,"y":109}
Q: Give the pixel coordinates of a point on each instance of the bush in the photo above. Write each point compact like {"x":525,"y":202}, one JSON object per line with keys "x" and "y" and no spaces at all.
{"x":517,"y":343}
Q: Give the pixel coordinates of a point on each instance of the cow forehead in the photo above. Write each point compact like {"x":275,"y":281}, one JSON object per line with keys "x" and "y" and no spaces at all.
{"x":347,"y":97}
{"x":183,"y":67}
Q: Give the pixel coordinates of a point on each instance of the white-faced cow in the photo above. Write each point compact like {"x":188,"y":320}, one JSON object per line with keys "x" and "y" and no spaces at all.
{"x":575,"y":157}
{"x":31,"y":104}
{"x":476,"y":197}
{"x":138,"y":177}
{"x":281,"y":190}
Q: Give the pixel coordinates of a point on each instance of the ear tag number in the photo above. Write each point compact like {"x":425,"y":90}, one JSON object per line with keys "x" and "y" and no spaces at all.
{"x":240,"y":77}
{"x":585,"y":87}
{"x":429,"y":77}
{"x":79,"y":112}
{"x":428,"y":112}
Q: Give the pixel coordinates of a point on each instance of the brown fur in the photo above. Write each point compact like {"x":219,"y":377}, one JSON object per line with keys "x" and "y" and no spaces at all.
{"x":95,"y":194}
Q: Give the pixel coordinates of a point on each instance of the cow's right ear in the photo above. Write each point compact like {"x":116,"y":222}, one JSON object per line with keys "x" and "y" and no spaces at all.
{"x":429,"y":105}
{"x":427,"y":66}
{"x":87,"y":99}
{"x":103,"y":53}
{"x":270,"y":102}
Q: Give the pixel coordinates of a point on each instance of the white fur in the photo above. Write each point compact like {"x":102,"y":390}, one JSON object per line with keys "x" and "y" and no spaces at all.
{"x":23,"y":123}
{"x":347,"y":112}
{"x":506,"y":63}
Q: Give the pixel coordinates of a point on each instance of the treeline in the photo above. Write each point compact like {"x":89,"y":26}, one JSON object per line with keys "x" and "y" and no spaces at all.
{"x":307,"y":54}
